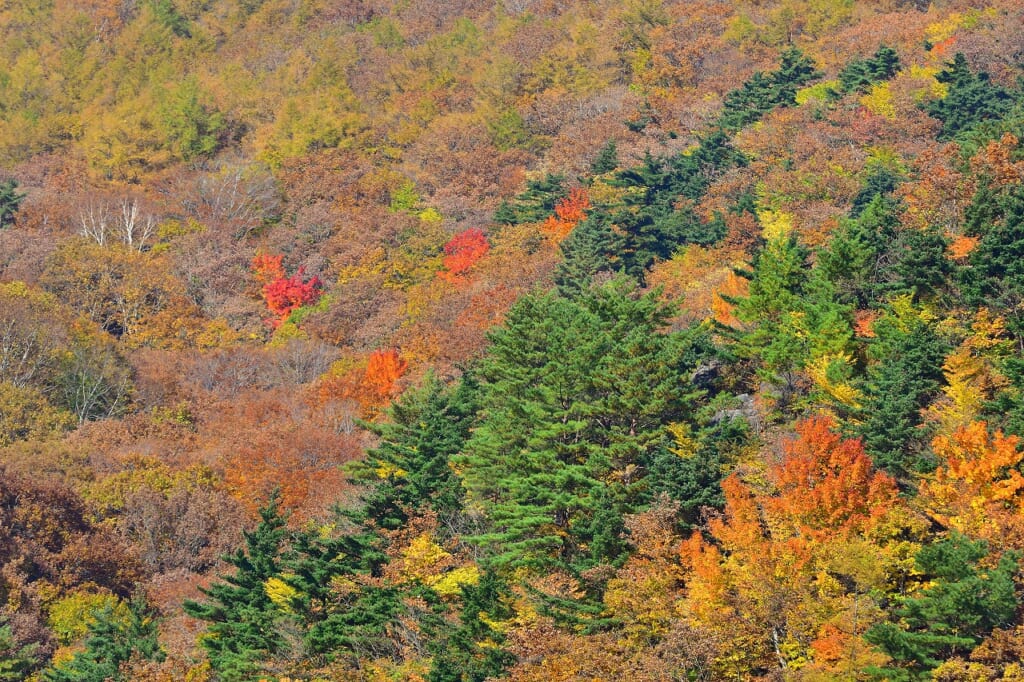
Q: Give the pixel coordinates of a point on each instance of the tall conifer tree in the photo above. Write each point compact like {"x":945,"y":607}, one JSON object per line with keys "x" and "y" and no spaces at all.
{"x":242,"y":630}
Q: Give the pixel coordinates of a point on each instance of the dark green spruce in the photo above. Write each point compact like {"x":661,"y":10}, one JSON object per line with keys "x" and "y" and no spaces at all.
{"x":575,"y":399}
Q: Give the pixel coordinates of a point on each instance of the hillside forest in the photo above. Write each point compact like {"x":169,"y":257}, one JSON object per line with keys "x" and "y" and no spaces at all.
{"x":542,"y":341}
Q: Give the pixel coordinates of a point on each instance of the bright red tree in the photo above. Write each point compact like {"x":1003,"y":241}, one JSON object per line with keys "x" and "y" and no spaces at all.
{"x":284,"y":294}
{"x":462,"y":252}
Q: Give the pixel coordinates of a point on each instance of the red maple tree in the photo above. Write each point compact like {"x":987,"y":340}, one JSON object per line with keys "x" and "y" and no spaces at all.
{"x":284,"y":294}
{"x":462,"y":252}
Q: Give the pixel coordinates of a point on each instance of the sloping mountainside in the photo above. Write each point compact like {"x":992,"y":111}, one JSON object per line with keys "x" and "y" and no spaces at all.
{"x":548,"y":341}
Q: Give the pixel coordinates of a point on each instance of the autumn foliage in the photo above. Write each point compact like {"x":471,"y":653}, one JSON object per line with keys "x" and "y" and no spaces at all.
{"x":646,"y":340}
{"x":284,"y":294}
{"x":569,"y":211}
{"x":762,"y":579}
{"x":383,"y":370}
{"x":462,"y":252}
{"x":827,"y":484}
{"x":366,"y":386}
{"x":266,"y":268}
{"x":978,"y":488}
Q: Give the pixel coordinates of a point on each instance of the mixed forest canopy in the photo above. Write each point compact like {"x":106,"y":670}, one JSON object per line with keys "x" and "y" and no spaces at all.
{"x":530,"y":340}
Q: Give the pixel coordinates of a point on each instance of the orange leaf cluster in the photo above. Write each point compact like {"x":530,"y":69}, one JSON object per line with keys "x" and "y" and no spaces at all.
{"x":383,"y":370}
{"x":941,"y":48}
{"x":370,"y":387}
{"x":763,"y":580}
{"x":979,"y":490}
{"x":568,"y":214}
{"x":995,"y":162}
{"x":864,"y":323}
{"x":939,"y":194}
{"x":748,"y":583}
{"x":268,"y":442}
{"x":266,"y":268}
{"x":962,"y":246}
{"x":827,"y":485}
{"x":722,"y":310}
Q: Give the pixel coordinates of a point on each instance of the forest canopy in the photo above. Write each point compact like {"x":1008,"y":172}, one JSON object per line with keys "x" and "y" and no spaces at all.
{"x":541,"y":341}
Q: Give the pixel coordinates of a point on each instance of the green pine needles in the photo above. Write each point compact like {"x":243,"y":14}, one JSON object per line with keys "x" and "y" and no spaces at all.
{"x":575,"y":399}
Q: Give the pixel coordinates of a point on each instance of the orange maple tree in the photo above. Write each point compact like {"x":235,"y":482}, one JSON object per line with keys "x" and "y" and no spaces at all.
{"x":827,"y":485}
{"x":266,"y":268}
{"x":383,"y":370}
{"x":978,"y":489}
{"x":569,"y":211}
{"x":760,"y":577}
{"x":367,"y":387}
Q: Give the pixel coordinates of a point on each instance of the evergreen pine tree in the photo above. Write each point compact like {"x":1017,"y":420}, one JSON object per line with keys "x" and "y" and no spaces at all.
{"x":790,"y":317}
{"x":795,"y":70}
{"x":505,"y":214}
{"x":572,"y":392}
{"x":994,"y":275}
{"x":17,"y":661}
{"x":693,"y":479}
{"x":472,"y":651}
{"x":777,"y":283}
{"x":962,"y":604}
{"x":1006,"y":410}
{"x":10,"y":201}
{"x":747,"y":104}
{"x":170,"y":17}
{"x":905,"y":375}
{"x":694,"y":172}
{"x":242,"y":628}
{"x":652,"y":234}
{"x":884,"y":64}
{"x":590,"y":249}
{"x":333,"y":624}
{"x":861,"y":74}
{"x":419,"y":435}
{"x":861,"y":256}
{"x":922,"y":266}
{"x":972,"y":98}
{"x":536,"y":202}
{"x":653,"y":220}
{"x":606,"y":160}
{"x":764,"y":92}
{"x":652,"y":223}
{"x":883,"y":181}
